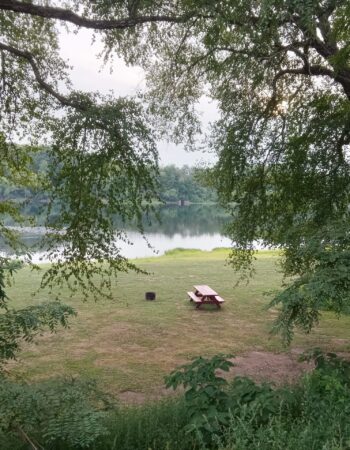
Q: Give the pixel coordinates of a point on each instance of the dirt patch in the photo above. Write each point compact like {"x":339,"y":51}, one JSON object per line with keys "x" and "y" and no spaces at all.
{"x":132,"y":398}
{"x":278,"y":368}
{"x":338,"y":341}
{"x":138,"y":398}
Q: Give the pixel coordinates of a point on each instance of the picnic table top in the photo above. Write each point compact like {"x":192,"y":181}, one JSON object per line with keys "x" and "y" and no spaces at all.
{"x":205,"y":290}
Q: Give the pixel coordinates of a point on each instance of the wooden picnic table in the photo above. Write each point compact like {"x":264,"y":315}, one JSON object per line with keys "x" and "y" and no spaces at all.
{"x":204,"y":294}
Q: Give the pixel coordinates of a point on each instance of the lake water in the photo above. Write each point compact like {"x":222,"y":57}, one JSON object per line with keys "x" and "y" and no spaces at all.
{"x":193,"y":226}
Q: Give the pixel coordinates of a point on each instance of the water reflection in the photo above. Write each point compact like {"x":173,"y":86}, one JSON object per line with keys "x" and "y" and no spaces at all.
{"x":193,"y":226}
{"x":191,"y":220}
{"x":161,"y":243}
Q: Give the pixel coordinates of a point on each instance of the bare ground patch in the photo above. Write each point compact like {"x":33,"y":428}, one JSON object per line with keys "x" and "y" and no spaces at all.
{"x":138,"y":398}
{"x":278,"y":368}
{"x":132,"y":397}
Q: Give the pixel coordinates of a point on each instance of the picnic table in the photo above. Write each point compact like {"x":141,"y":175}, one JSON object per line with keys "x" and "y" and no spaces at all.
{"x":205,"y":295}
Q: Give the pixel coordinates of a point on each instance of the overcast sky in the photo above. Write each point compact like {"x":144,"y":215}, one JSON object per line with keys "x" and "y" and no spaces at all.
{"x":88,"y":74}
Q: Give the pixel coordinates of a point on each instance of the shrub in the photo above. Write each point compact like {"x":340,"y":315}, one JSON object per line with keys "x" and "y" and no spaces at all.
{"x":311,"y":415}
{"x":205,"y":396}
{"x":54,"y":413}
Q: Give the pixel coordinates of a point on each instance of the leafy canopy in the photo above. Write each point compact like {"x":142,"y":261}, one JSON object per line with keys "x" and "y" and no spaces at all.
{"x":89,"y":138}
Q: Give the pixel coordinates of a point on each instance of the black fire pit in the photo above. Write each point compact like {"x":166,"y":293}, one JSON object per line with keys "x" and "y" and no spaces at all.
{"x":150,"y":295}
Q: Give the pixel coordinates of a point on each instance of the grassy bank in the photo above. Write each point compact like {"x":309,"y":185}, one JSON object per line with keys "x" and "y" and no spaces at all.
{"x":130,"y":344}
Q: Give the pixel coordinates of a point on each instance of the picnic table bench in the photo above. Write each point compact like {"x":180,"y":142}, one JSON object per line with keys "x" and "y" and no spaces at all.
{"x":204,"y":294}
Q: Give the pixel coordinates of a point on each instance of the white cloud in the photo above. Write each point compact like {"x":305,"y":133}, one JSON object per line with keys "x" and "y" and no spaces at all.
{"x":90,"y":74}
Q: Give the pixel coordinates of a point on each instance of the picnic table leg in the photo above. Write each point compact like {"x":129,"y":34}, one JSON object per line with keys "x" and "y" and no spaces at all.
{"x":217,"y":303}
{"x":203,"y":300}
{"x":214,"y":300}
{"x":207,"y":299}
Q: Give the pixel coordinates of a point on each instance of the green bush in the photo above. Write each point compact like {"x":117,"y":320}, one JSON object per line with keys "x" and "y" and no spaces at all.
{"x":205,"y":396}
{"x":311,"y":415}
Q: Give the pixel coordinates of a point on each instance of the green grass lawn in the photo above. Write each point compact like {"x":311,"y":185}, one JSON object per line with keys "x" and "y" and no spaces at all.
{"x":129,"y":344}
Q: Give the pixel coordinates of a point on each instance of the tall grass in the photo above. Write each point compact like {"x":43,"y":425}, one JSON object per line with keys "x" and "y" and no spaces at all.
{"x":149,"y":427}
{"x":155,"y":426}
{"x":320,"y":430}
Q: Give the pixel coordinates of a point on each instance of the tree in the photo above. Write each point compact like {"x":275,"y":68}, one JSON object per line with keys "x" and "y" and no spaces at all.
{"x":280,"y":73}
{"x":101,"y":162}
{"x":89,"y":138}
{"x":183,"y":183}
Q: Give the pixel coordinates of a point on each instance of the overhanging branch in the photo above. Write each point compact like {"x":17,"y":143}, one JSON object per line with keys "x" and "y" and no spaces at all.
{"x":67,"y":15}
{"x":307,"y":70}
{"x":342,"y":76}
{"x":65,"y":101}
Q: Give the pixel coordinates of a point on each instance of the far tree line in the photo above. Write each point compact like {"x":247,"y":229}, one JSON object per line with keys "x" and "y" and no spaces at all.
{"x":176,"y":184}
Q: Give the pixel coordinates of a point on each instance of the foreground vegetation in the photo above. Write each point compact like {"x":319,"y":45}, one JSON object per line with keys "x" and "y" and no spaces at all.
{"x":212,"y":415}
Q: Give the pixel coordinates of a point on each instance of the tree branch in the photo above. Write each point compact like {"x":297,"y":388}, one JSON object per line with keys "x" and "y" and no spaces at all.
{"x":315,"y":69}
{"x":344,"y":139}
{"x":342,"y":76}
{"x":306,"y":70}
{"x":65,"y":101}
{"x":276,"y":50}
{"x":67,"y":15}
{"x":27,"y":438}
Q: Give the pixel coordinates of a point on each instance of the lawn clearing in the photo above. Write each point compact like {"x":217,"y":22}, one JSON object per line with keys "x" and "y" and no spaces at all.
{"x":129,"y":344}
